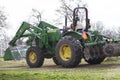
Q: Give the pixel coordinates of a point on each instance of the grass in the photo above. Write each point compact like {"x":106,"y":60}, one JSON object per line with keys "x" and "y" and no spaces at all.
{"x":18,"y":70}
{"x":60,"y":75}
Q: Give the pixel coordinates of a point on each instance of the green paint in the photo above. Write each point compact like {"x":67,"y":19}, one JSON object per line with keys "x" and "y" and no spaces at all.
{"x":8,"y":55}
{"x":48,"y":36}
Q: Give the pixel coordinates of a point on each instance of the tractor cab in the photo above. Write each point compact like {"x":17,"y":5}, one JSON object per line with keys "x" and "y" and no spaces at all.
{"x":80,"y":19}
{"x":80,"y":22}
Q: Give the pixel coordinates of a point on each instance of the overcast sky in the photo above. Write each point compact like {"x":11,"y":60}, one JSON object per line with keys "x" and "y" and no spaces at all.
{"x":107,"y":11}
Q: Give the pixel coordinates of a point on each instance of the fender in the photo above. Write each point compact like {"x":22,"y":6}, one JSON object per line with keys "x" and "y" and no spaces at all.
{"x":74,"y":34}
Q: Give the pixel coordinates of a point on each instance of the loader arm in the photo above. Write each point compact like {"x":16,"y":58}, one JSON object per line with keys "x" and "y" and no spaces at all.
{"x":33,"y":31}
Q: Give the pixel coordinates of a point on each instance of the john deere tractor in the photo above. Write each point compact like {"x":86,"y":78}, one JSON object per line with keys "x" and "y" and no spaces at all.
{"x":66,"y":46}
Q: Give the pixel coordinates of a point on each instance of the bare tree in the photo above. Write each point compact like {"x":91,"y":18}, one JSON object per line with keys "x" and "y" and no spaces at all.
{"x":3,"y":37}
{"x":110,"y":33}
{"x":119,"y":32}
{"x":66,"y":9}
{"x":3,"y":18}
{"x":4,"y":40}
{"x":35,"y":17}
{"x":98,"y":26}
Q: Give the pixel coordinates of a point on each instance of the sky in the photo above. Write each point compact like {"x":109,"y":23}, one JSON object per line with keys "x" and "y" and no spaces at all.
{"x":19,"y":10}
{"x":106,"y":11}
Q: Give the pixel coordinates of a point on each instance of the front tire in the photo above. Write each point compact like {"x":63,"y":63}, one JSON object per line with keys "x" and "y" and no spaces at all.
{"x":34,"y":57}
{"x":69,"y":52}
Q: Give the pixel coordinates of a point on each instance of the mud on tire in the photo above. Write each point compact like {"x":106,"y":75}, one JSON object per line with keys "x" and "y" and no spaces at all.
{"x":94,"y":55}
{"x":69,"y":52}
{"x":34,"y":57}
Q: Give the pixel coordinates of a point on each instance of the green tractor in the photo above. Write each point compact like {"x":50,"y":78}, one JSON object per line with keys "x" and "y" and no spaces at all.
{"x":65,"y":46}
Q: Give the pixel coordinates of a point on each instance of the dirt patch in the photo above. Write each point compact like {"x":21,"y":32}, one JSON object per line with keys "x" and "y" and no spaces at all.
{"x":19,"y":70}
{"x":49,"y":65}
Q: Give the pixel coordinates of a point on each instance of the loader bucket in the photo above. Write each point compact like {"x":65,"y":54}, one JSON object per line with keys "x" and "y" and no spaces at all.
{"x":15,"y":53}
{"x":8,"y":55}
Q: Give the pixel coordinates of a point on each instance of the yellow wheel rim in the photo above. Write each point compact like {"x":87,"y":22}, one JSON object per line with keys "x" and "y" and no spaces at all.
{"x":65,"y":52}
{"x":32,"y":57}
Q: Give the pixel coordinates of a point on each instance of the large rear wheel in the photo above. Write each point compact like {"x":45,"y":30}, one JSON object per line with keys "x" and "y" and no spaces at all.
{"x":34,"y":57}
{"x":69,"y":52}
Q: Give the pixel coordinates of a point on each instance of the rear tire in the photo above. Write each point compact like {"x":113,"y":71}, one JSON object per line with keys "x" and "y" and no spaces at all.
{"x":34,"y":57}
{"x":69,"y":52}
{"x":94,"y":55}
{"x":96,"y":61}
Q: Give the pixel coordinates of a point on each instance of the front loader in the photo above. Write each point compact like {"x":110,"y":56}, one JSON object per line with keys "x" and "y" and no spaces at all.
{"x":45,"y":36}
{"x":66,"y":46}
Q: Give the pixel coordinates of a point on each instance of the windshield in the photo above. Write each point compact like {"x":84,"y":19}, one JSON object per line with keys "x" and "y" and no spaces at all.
{"x":81,"y":14}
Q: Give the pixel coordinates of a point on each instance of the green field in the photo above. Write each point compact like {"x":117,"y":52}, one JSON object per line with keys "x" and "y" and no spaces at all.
{"x":18,"y":70}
